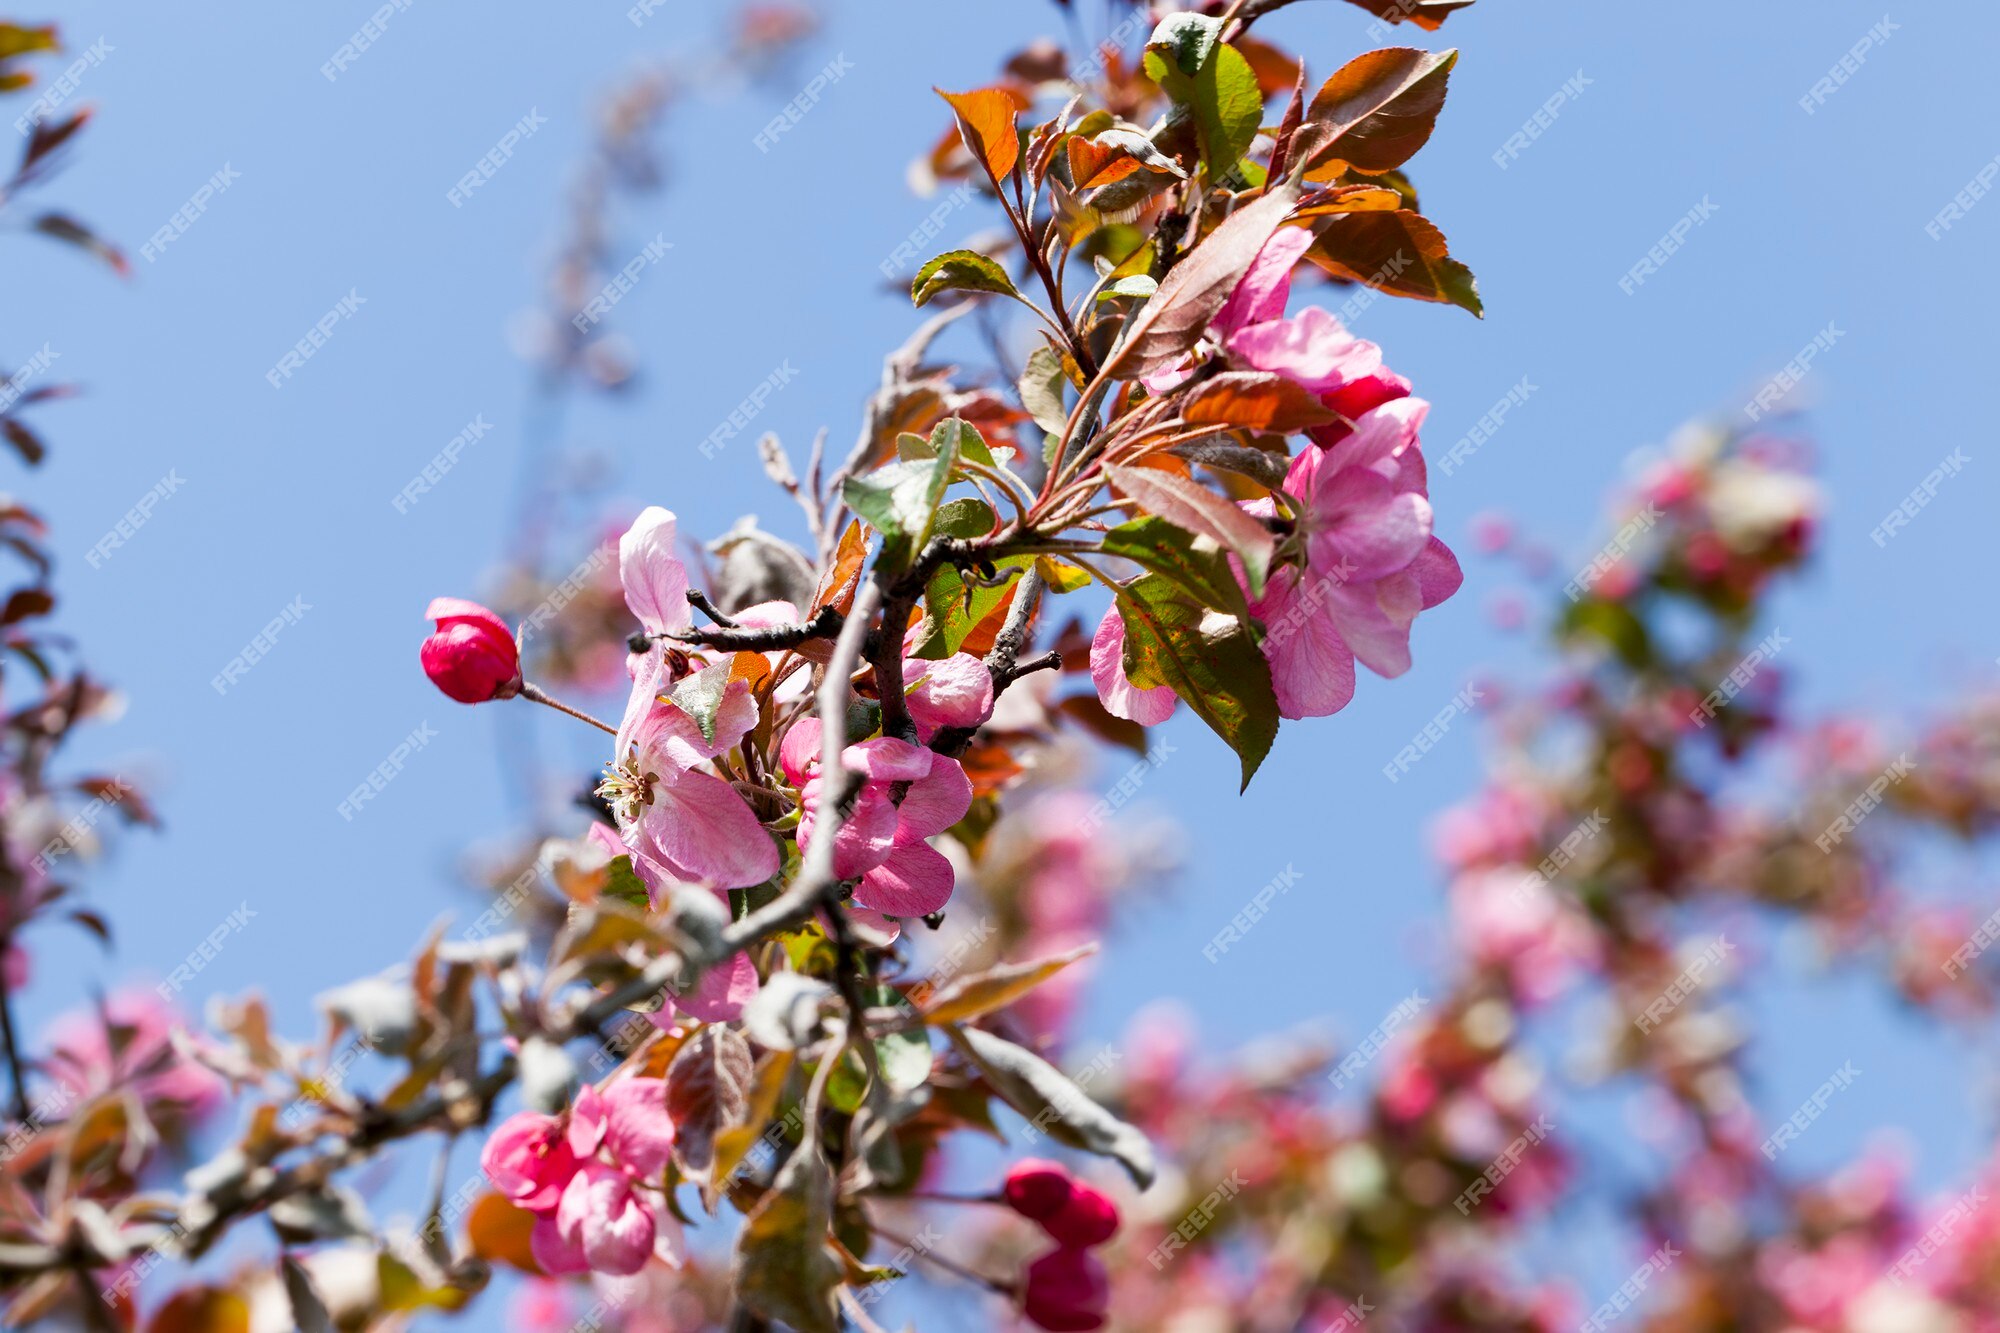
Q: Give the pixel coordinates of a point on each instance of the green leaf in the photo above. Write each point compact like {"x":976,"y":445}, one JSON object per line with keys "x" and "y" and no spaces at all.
{"x":951,"y":612}
{"x":1198,"y":509}
{"x":1054,"y":1103}
{"x":1139,"y":284}
{"x":1228,"y":107}
{"x":1172,"y":552}
{"x":700,"y":696}
{"x":901,"y":500}
{"x":905,"y":1058}
{"x":1041,"y":390}
{"x":957,"y":438}
{"x":784,"y":1270}
{"x":961,"y":271}
{"x":625,"y":885}
{"x":1182,"y":43}
{"x":1209,"y":659}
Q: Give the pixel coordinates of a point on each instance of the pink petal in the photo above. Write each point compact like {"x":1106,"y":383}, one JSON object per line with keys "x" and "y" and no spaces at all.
{"x":706,"y":834}
{"x":639,"y":1131}
{"x":527,"y":1160}
{"x":1437,"y":573}
{"x":669,"y":1241}
{"x":1262,"y":293}
{"x":654,"y":578}
{"x":1311,"y":349}
{"x":954,"y":692}
{"x":865,"y":835}
{"x":1374,"y":618}
{"x":799,"y":751}
{"x":886,"y":759}
{"x":767,"y":615}
{"x":1148,"y":707}
{"x":1382,"y":435}
{"x":915,"y":880}
{"x":600,"y":1212}
{"x":672,"y":733}
{"x":934,"y":802}
{"x":1312,"y":668}
{"x":722,"y":991}
{"x":1361,"y":520}
{"x":554,"y":1252}
{"x":587,"y":1121}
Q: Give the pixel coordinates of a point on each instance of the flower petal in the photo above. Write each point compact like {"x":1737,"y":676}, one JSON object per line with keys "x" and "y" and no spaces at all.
{"x":639,"y":1131}
{"x":915,"y":880}
{"x":1120,"y":697}
{"x":706,"y":834}
{"x":654,"y":578}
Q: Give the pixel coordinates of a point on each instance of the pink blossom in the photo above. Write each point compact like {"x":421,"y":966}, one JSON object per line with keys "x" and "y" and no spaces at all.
{"x":471,"y":655}
{"x":1148,"y":707}
{"x":128,"y":1043}
{"x":592,"y":1179}
{"x":884,"y":841}
{"x":681,"y":823}
{"x":956,"y":691}
{"x":528,"y":1160}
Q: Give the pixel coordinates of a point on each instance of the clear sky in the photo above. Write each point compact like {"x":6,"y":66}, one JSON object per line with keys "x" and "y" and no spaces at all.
{"x":1812,"y":218}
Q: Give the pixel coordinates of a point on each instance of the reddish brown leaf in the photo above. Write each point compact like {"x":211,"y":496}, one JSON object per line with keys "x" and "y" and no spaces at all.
{"x":1255,"y":401}
{"x":1426,"y":14}
{"x":1399,"y":252}
{"x":1376,"y":111}
{"x":1170,"y":324}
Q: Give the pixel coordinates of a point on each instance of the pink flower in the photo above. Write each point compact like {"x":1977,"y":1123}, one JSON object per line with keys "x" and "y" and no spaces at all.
{"x":1120,"y":697}
{"x":1067,"y":1291}
{"x":956,"y":691}
{"x":1312,"y":349}
{"x":471,"y":655}
{"x":129,"y":1045}
{"x":592,"y":1181}
{"x":882,"y":841}
{"x":1370,"y":558}
{"x":681,"y":823}
{"x":529,"y":1161}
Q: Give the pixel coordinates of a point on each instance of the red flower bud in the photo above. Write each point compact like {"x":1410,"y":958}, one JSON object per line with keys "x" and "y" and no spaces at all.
{"x":1085,"y":1218}
{"x":1068,"y":1291}
{"x":471,"y":656}
{"x":1036,"y":1189}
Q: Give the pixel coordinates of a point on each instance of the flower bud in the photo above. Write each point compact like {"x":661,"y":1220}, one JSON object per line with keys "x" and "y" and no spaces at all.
{"x":1036,"y":1189}
{"x":1085,"y":1218}
{"x":471,"y":656}
{"x":1067,"y":1291}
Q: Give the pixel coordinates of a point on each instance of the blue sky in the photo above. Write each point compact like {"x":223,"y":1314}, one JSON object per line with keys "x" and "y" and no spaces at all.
{"x":1813,"y":217}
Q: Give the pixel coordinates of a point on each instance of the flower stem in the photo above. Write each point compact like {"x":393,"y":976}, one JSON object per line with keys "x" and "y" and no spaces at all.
{"x":534,"y":692}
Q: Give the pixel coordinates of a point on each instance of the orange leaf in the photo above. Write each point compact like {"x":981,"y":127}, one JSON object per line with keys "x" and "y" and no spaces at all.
{"x":1349,"y":199}
{"x":202,"y":1310}
{"x":1093,"y":164}
{"x":499,"y":1233}
{"x":1255,"y":402}
{"x":986,"y":123}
